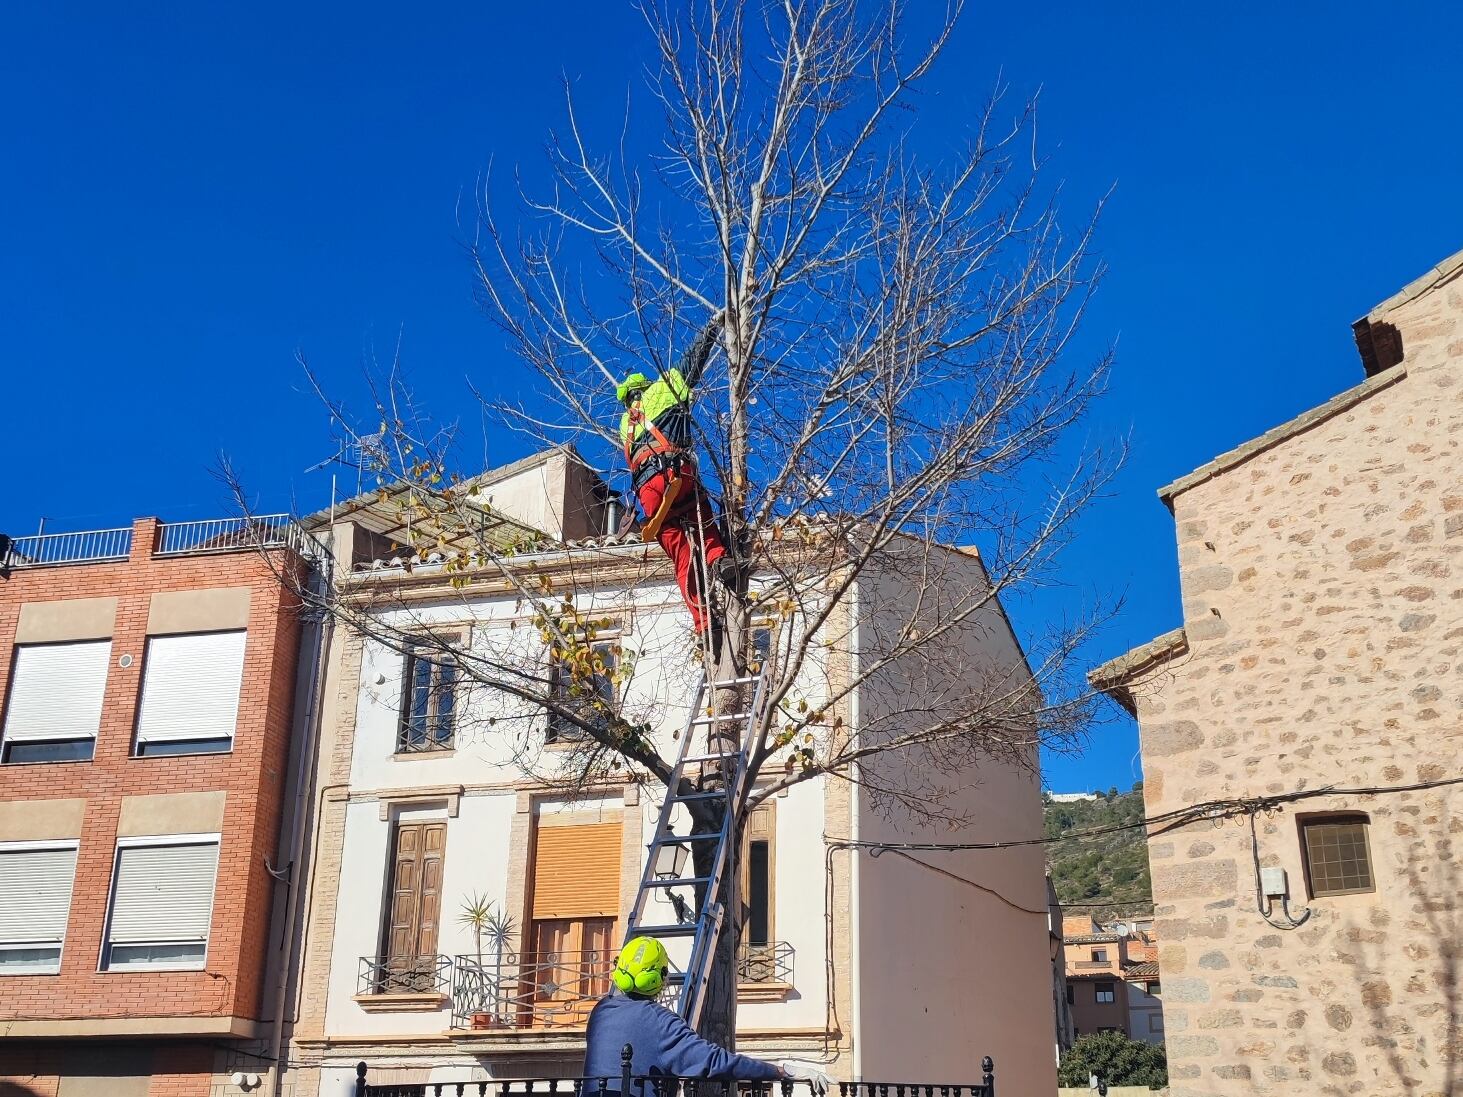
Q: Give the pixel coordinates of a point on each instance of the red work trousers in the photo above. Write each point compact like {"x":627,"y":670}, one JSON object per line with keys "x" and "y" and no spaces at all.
{"x":685,"y":526}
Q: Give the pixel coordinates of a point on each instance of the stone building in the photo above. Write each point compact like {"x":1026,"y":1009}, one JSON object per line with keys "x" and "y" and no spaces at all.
{"x":1313,"y":946}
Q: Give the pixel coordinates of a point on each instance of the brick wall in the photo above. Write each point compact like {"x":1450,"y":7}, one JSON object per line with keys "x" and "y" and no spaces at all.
{"x":253,"y":776}
{"x":1322,"y":582}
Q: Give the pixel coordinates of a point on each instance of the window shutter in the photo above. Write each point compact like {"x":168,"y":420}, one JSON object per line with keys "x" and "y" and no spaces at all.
{"x":35,"y":894}
{"x":190,"y":686}
{"x":576,"y":871}
{"x":56,"y":691}
{"x":163,"y":893}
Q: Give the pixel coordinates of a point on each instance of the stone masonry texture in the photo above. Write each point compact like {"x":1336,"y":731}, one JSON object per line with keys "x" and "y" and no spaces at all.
{"x":1322,"y":587}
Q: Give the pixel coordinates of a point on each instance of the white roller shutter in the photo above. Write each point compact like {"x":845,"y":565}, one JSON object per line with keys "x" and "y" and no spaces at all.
{"x":190,"y":686}
{"x":56,"y":691}
{"x":35,"y":894}
{"x":163,"y":893}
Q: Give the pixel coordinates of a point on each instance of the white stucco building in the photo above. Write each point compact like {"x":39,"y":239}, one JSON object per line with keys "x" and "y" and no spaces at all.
{"x":878,"y":967}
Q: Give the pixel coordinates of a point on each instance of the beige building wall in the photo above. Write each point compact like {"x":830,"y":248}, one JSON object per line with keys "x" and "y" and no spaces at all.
{"x":1322,"y":577}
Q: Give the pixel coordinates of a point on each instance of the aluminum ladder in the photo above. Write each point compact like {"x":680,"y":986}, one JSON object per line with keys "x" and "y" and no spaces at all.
{"x":691,"y":979}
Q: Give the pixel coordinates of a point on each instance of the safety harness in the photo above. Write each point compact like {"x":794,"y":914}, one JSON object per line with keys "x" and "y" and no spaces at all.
{"x":662,"y":455}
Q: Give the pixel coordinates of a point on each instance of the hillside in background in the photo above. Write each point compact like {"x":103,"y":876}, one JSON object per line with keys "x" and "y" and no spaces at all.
{"x":1111,"y":871}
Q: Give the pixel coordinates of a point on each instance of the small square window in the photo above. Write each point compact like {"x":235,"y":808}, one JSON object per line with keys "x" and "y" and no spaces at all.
{"x":1337,"y":858}
{"x":1106,"y":993}
{"x":1153,"y":987}
{"x":1099,"y":956}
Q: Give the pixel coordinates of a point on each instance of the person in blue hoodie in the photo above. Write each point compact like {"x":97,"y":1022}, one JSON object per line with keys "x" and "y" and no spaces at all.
{"x":662,"y":1043}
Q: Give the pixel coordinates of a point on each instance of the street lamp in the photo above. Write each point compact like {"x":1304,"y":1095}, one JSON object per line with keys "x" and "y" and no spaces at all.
{"x":670,"y":864}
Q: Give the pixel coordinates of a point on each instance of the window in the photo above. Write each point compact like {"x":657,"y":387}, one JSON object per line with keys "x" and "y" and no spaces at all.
{"x":574,"y":913}
{"x":35,"y":901}
{"x":760,"y":959}
{"x":55,"y":704}
{"x":190,"y":693}
{"x":585,"y":686}
{"x":1155,"y":1022}
{"x":1071,"y":995}
{"x":410,"y":932}
{"x":1153,"y":988}
{"x":428,"y":703}
{"x":1337,"y":861}
{"x":162,"y":903}
{"x":1099,"y":956}
{"x":1105,"y":993}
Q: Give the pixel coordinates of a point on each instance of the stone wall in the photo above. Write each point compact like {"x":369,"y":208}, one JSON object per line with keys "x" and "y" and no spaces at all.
{"x":1322,"y":578}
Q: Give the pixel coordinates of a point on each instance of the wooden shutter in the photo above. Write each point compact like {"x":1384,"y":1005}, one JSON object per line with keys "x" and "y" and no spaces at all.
{"x":416,"y":890}
{"x":56,"y":691}
{"x":163,"y":893}
{"x":35,"y":894}
{"x":576,"y":871}
{"x":190,"y":686}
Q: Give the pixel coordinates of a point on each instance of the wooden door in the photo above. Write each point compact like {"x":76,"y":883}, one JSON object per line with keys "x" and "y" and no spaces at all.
{"x":416,"y":906}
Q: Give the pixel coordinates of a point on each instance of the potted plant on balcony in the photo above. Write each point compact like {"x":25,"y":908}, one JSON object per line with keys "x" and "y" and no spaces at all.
{"x":487,"y":919}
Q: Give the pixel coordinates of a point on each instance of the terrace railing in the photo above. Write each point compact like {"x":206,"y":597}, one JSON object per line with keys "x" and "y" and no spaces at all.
{"x":628,"y":1085}
{"x":49,"y":549}
{"x":254,"y":531}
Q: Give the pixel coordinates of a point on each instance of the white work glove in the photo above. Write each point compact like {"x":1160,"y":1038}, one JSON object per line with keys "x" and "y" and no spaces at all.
{"x":806,"y":1072}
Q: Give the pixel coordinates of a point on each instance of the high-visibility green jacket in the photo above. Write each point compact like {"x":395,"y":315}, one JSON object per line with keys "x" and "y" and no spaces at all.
{"x":662,"y":423}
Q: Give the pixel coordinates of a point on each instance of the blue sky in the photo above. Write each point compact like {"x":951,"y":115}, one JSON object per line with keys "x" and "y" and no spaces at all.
{"x":191,"y":196}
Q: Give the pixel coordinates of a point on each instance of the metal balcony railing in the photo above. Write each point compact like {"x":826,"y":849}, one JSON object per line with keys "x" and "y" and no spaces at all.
{"x":535,"y":990}
{"x":769,"y":963}
{"x":1093,"y":965}
{"x":254,"y":531}
{"x":661,"y":1085}
{"x":48,"y":549}
{"x":405,"y":975}
{"x":261,"y":531}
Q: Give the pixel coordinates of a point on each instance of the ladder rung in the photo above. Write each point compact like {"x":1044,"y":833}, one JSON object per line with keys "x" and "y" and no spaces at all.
{"x":702,"y":721}
{"x":686,"y":929}
{"x":730,"y":682}
{"x":674,"y":839}
{"x":679,"y":882}
{"x":712,"y":757}
{"x":675,"y":979}
{"x":712,"y":794}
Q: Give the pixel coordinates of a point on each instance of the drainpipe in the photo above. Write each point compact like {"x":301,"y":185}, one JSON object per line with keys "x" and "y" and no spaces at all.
{"x":324,"y":631}
{"x":855,"y":858}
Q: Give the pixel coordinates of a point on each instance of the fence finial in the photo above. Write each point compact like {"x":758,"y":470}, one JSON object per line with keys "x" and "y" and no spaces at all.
{"x":626,"y":1054}
{"x":361,"y":1079}
{"x":988,"y":1069}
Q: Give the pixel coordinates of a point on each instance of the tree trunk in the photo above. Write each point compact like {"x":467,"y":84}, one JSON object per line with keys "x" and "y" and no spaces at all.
{"x":726,"y":661}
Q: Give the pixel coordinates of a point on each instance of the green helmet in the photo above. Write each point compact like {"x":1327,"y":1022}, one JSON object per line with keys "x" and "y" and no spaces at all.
{"x":641,"y":967}
{"x":636,"y":382}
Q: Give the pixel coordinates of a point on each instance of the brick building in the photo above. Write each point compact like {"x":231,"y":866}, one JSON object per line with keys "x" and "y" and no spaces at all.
{"x":1112,"y":980}
{"x":1314,"y":946}
{"x":149,"y":678}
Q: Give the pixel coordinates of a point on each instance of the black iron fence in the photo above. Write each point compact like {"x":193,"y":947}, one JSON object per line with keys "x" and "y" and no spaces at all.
{"x":627,"y":1085}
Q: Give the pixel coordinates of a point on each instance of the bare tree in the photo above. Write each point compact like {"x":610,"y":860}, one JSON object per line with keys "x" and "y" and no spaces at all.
{"x":892,"y":380}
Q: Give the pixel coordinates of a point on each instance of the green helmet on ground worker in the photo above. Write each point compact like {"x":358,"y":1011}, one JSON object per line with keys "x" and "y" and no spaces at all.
{"x":641,"y":967}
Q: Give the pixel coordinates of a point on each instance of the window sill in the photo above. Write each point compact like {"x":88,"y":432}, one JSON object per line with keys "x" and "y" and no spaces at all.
{"x":35,"y":971}
{"x":406,"y":1002}
{"x":133,"y":969}
{"x":418,"y":755}
{"x":50,"y":762}
{"x":764,"y":992}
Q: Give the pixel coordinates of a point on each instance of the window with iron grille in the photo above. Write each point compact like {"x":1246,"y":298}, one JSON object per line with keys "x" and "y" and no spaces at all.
{"x":1337,"y":857}
{"x":428,"y":703}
